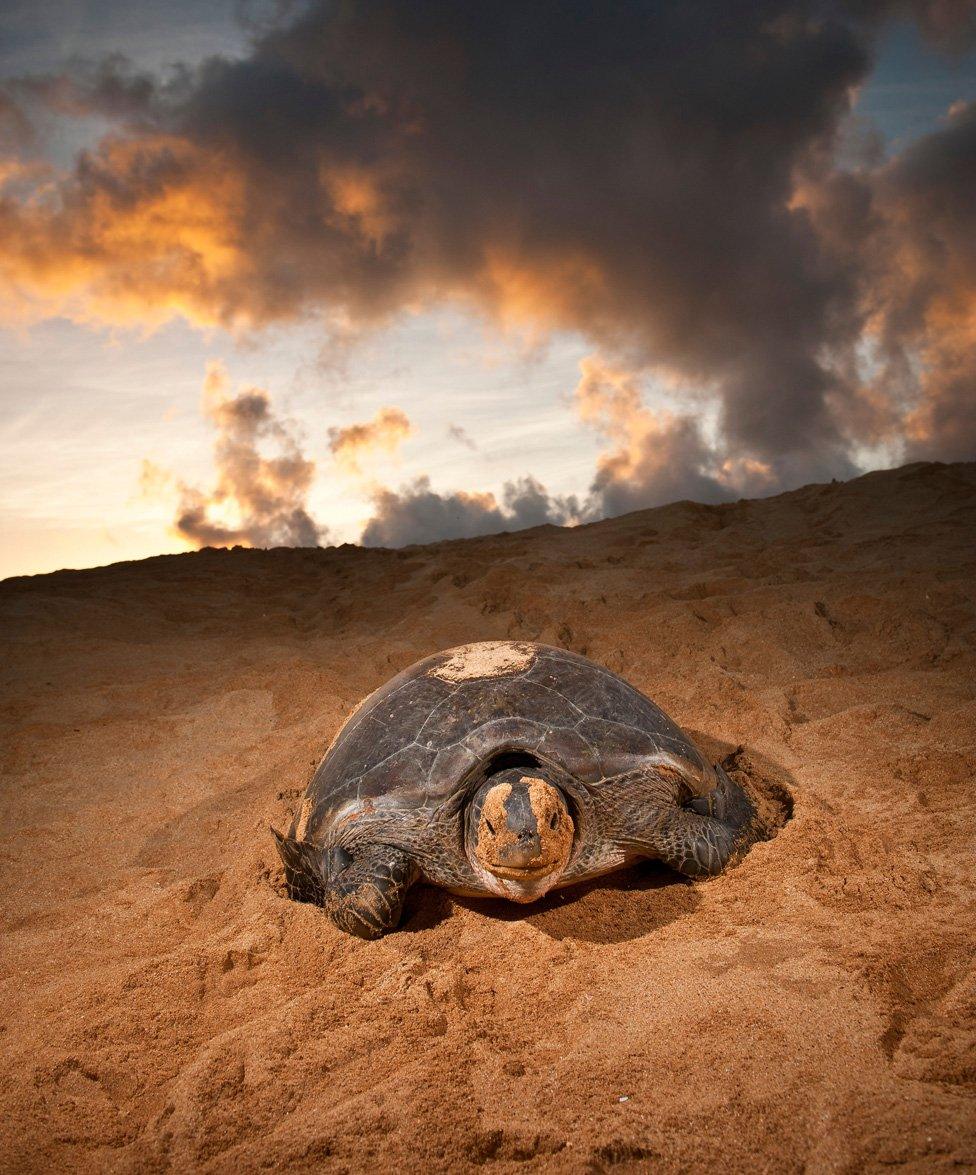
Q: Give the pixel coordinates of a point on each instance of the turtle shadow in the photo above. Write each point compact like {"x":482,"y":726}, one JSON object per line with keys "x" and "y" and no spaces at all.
{"x":639,"y":899}
{"x":617,"y":907}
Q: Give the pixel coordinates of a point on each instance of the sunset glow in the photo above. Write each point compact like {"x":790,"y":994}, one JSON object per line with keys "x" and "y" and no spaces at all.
{"x":450,"y":274}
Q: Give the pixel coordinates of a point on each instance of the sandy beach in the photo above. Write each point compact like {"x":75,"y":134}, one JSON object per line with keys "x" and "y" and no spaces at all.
{"x":165,"y":1006}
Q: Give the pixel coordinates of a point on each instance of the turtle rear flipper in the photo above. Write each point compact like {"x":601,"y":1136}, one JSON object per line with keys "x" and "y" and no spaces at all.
{"x":697,"y":846}
{"x":303,"y":864}
{"x":727,"y":803}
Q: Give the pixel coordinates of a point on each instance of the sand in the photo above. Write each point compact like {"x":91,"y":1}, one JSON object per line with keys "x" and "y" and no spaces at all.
{"x":165,"y":1007}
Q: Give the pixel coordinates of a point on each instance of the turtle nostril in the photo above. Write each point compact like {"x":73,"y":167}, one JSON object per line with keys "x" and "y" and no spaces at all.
{"x":554,"y":820}
{"x":489,"y":826}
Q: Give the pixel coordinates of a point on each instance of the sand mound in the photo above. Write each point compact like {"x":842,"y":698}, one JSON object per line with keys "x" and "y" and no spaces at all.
{"x":814,"y":1007}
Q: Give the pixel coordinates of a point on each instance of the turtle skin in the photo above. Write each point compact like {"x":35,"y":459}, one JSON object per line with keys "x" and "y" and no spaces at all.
{"x":386,"y":806}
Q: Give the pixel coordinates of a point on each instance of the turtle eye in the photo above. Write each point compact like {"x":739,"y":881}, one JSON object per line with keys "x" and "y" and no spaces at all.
{"x":489,"y":826}
{"x":554,"y":820}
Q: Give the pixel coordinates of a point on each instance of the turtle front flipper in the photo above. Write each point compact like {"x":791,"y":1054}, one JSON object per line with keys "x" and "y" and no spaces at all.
{"x":726,"y":802}
{"x":365,"y":896}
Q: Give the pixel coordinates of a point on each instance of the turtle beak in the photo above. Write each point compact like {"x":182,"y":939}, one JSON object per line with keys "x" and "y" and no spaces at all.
{"x":525,"y":852}
{"x":522,"y":847}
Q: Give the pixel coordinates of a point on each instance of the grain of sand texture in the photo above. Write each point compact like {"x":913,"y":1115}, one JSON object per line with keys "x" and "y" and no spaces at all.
{"x":164,"y":1006}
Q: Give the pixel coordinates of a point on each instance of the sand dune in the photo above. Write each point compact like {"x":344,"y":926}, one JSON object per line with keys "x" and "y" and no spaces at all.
{"x":164,"y":1006}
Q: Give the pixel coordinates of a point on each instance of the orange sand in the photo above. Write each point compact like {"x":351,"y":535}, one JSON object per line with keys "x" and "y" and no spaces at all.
{"x":814,"y":1008}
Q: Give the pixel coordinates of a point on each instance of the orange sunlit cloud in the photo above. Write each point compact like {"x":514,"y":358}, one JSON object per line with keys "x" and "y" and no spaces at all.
{"x":386,"y":432}
{"x":655,"y":452}
{"x":148,"y":231}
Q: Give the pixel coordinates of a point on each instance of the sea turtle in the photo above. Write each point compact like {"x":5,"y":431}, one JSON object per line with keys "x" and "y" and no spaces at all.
{"x":502,"y":768}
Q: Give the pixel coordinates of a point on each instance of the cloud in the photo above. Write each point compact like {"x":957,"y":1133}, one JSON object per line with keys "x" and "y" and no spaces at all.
{"x":659,"y":178}
{"x":139,"y":235}
{"x":259,"y":500}
{"x":925,"y":321}
{"x":386,"y":432}
{"x":906,"y":229}
{"x":948,"y":24}
{"x":457,"y":433}
{"x":419,"y":514}
{"x":256,"y":500}
{"x":109,"y":87}
{"x":15,"y":127}
{"x":654,"y":457}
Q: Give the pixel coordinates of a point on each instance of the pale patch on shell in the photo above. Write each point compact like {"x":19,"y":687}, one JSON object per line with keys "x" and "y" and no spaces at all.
{"x":485,"y":659}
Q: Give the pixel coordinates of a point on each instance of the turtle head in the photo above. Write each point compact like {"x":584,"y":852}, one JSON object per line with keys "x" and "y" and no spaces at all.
{"x":519,"y":834}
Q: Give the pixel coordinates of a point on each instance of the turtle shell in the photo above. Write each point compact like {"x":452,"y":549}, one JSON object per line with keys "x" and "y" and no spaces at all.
{"x":428,"y":733}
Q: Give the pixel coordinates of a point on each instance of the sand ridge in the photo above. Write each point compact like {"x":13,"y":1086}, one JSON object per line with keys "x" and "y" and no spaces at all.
{"x":166,"y":1007}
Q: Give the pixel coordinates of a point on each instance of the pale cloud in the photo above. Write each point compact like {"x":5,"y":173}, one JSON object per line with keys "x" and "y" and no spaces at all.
{"x":653,"y":456}
{"x":457,"y":433}
{"x":258,"y":498}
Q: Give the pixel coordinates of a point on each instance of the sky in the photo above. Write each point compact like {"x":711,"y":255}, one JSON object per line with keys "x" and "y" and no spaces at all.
{"x":379,"y":272}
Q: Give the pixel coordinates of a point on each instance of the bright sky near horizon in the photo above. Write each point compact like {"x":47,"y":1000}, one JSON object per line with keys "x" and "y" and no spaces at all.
{"x":482,"y":316}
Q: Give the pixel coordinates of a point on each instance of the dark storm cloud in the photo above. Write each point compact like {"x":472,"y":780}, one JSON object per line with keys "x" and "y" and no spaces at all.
{"x":110,"y":87}
{"x":418,"y":514}
{"x":16,"y":133}
{"x":656,"y":176}
{"x":948,"y":24}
